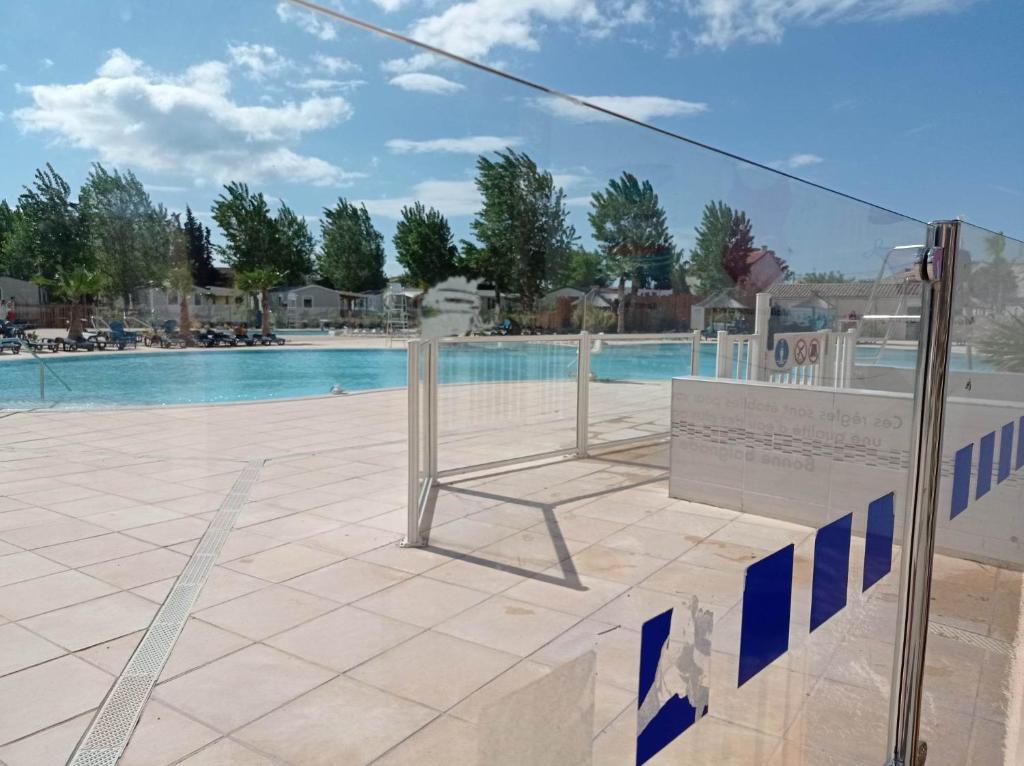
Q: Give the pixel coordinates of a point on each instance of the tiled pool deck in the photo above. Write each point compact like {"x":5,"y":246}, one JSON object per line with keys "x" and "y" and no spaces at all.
{"x":316,"y":640}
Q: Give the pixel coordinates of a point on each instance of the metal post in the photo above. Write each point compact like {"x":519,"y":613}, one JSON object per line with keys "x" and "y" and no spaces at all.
{"x":412,"y":533}
{"x":723,"y":358}
{"x":42,"y":382}
{"x":937,"y":272}
{"x":583,"y":395}
{"x":432,"y":425}
{"x":759,"y":343}
{"x":849,"y":357}
{"x":695,"y":354}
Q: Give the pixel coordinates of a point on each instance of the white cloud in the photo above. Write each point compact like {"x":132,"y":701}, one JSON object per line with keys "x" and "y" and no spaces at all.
{"x":426,"y":83}
{"x":729,"y":21}
{"x":47,"y":63}
{"x":452,"y":198}
{"x":315,"y":24}
{"x":389,"y":5}
{"x":643,"y":108}
{"x":473,"y":28}
{"x":259,"y":61}
{"x":334,"y":64}
{"x":467,"y":145}
{"x":414,"y":63}
{"x":798,"y":161}
{"x":318,"y":85}
{"x":186,"y":126}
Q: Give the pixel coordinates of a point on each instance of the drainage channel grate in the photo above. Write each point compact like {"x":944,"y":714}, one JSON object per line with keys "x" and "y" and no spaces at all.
{"x":971,"y":639}
{"x":108,"y":734}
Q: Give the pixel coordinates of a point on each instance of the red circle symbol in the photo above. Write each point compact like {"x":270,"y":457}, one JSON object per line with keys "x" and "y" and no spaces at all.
{"x":800,"y":351}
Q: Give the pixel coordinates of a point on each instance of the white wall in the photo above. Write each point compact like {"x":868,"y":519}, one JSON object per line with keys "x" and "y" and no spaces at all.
{"x":810,"y":455}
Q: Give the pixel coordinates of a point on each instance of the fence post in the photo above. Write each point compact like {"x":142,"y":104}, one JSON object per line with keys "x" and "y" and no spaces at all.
{"x":42,"y":382}
{"x":432,"y":425}
{"x":412,"y":532}
{"x":583,"y":395}
{"x":937,"y":272}
{"x":849,"y":357}
{"x":723,"y":356}
{"x":759,"y":343}
{"x":695,"y":354}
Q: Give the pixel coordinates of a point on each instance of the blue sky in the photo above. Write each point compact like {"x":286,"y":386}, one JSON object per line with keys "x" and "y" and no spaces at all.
{"x":915,"y":105}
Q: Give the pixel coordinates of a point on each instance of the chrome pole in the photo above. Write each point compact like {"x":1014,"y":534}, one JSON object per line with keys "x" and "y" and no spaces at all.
{"x":412,"y":533}
{"x":583,"y":395}
{"x":936,"y":272}
{"x":695,"y":353}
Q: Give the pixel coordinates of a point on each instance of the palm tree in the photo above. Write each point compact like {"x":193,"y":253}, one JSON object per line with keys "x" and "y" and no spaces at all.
{"x":75,"y":286}
{"x":259,"y":280}
{"x":1003,"y":344}
{"x":180,"y":280}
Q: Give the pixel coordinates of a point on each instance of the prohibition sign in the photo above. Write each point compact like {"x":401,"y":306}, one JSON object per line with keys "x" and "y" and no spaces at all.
{"x":813,"y":351}
{"x":800,"y":351}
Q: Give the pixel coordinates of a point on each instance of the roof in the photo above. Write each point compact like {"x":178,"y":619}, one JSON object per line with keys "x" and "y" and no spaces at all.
{"x":826,"y":290}
{"x":300,"y":288}
{"x":722,"y":300}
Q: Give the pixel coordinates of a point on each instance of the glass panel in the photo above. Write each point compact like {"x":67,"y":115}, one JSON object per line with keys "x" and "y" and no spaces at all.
{"x":974,"y":662}
{"x":735,"y":584}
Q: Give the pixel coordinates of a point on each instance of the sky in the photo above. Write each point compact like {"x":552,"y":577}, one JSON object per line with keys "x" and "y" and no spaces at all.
{"x":913,"y":105}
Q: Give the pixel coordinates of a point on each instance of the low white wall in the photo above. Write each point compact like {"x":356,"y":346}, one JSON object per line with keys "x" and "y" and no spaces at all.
{"x":810,"y":455}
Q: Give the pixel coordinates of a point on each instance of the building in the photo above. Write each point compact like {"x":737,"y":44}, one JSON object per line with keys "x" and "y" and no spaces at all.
{"x":214,"y":305}
{"x":23,"y":291}
{"x":839,"y":305}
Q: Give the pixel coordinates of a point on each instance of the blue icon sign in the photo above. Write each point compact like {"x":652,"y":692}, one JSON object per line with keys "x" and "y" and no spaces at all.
{"x":781,"y":352}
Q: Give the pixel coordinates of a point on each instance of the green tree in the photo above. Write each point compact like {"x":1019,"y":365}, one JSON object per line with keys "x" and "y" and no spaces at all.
{"x":823,"y":277}
{"x":719,"y":259}
{"x":180,"y":277}
{"x":76,"y":286}
{"x":256,"y":240}
{"x":583,"y":269}
{"x":128,"y":234}
{"x":47,"y":232}
{"x":295,"y":244}
{"x":259,"y":281}
{"x":200,"y":251}
{"x":9,"y":266}
{"x":424,"y":246}
{"x":631,"y":229}
{"x":994,"y":281}
{"x":680,"y":281}
{"x":352,"y":253}
{"x":522,"y":227}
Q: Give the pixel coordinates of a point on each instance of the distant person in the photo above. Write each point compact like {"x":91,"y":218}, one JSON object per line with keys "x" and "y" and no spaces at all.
{"x":241,"y":331}
{"x":11,"y":314}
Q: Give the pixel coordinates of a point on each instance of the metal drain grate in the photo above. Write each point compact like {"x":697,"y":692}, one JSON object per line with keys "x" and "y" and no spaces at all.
{"x":971,"y":639}
{"x":111,"y":728}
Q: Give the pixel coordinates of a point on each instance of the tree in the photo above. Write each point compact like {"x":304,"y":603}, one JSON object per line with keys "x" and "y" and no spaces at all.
{"x":180,"y":277}
{"x":9,"y":265}
{"x":128,"y":234}
{"x":256,"y":240}
{"x":424,"y":245}
{"x":352,"y":253}
{"x":295,"y":244}
{"x":706,"y":256}
{"x":1003,"y":344}
{"x":522,"y":227}
{"x":582,"y":269}
{"x":199,"y":251}
{"x":76,"y":286}
{"x":631,"y":229}
{"x":680,"y":283}
{"x":47,"y":231}
{"x":993,"y":282}
{"x":823,"y":277}
{"x":259,"y":280}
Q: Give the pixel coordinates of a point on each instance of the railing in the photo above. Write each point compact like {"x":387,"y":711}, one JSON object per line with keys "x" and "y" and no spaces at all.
{"x":475,"y":401}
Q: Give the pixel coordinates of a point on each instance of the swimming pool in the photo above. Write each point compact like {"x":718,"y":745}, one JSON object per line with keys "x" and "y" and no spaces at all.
{"x":220,"y":375}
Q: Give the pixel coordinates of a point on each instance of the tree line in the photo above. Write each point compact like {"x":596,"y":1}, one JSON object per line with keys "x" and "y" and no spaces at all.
{"x":115,"y":240}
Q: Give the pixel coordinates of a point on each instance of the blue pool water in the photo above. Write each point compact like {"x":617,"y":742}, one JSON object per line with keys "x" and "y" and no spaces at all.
{"x":219,"y":375}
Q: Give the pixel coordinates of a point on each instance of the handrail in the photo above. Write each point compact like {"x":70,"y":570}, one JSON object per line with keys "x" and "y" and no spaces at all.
{"x":43,"y":366}
{"x":683,"y":337}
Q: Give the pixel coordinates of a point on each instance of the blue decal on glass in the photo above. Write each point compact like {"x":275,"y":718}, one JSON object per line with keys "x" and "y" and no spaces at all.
{"x":767,"y":601}
{"x":985,"y":453}
{"x":664,"y":708}
{"x":1005,"y":452}
{"x":781,"y":352}
{"x":878,"y":539}
{"x":1020,"y":443}
{"x":831,"y":570}
{"x":961,"y":480}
